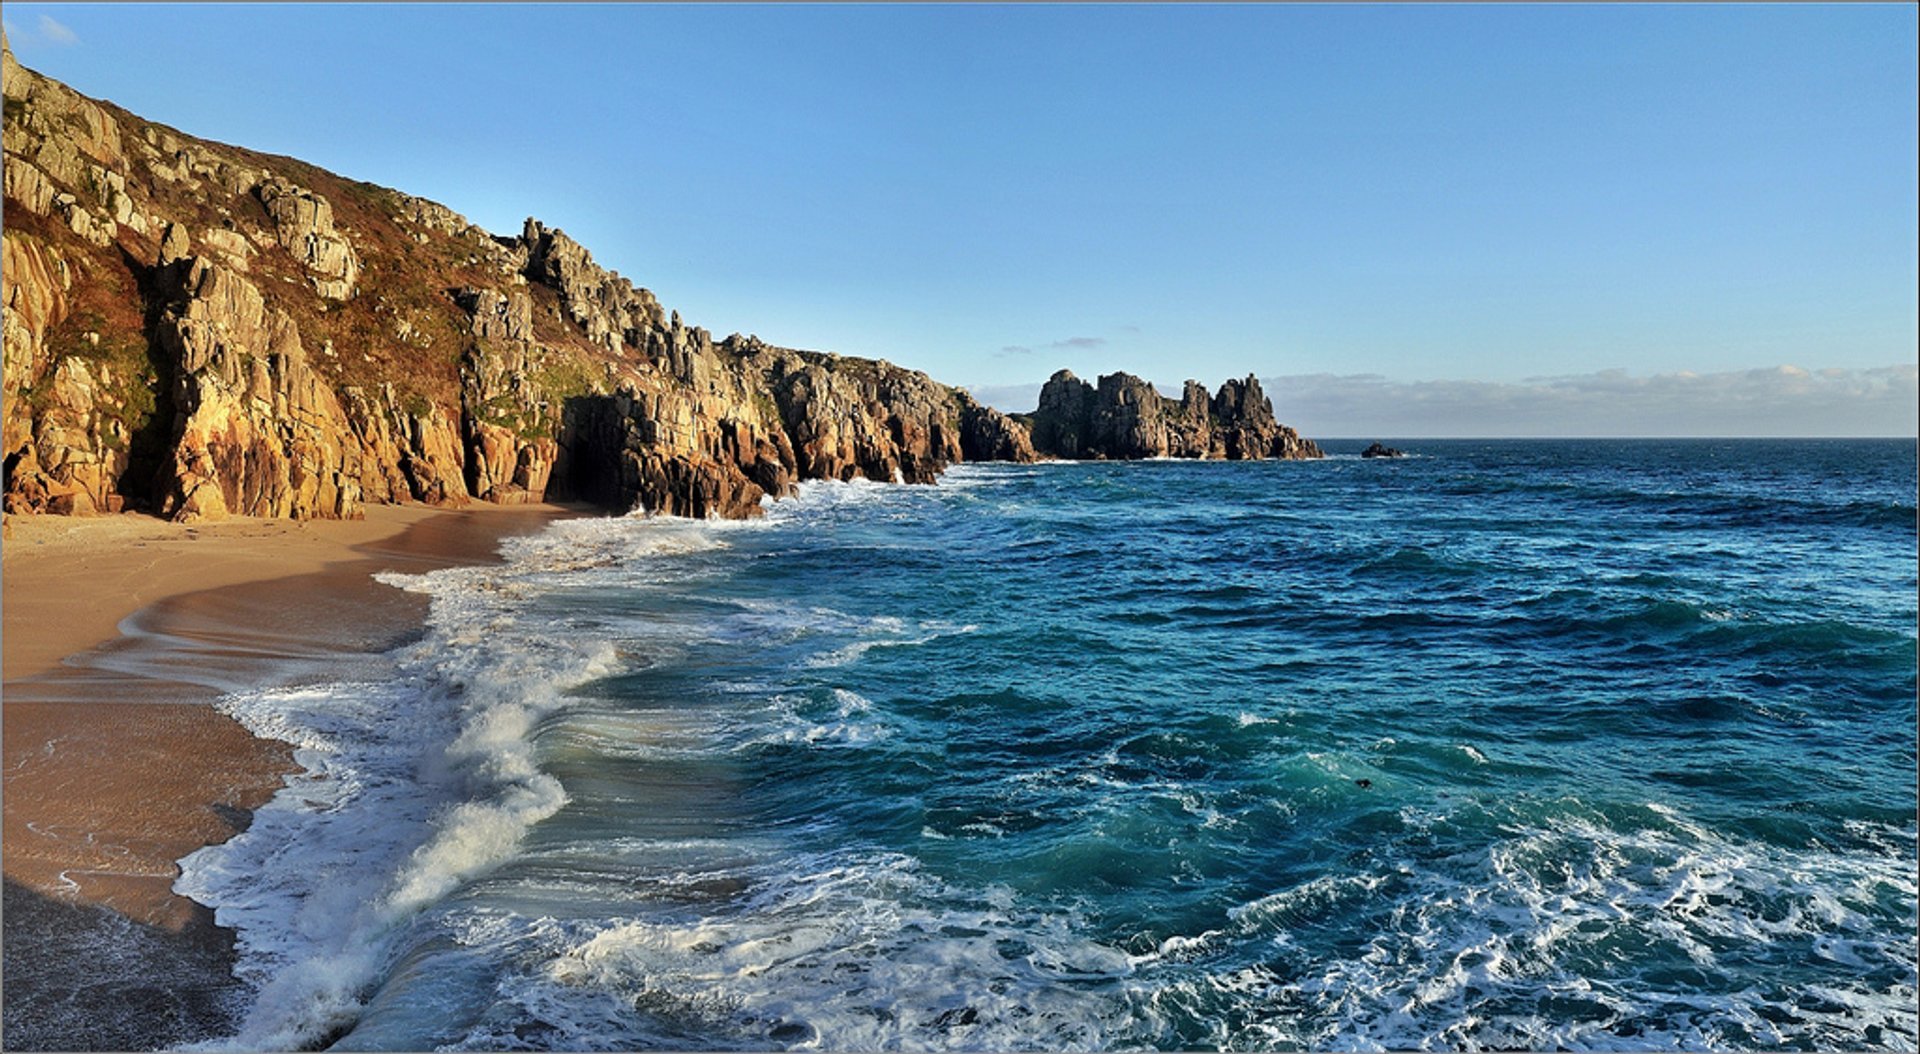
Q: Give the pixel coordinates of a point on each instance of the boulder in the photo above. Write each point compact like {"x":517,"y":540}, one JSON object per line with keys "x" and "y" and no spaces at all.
{"x":174,"y":244}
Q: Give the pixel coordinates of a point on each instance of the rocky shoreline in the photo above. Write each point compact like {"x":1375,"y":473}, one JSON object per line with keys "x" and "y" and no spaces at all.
{"x":199,"y":330}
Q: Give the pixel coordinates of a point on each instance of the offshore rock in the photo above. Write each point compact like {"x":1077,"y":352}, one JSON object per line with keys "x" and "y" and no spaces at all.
{"x":986,"y":434}
{"x":1062,"y":424}
{"x":1125,"y":418}
{"x":1380,"y":450}
{"x":1245,"y":427}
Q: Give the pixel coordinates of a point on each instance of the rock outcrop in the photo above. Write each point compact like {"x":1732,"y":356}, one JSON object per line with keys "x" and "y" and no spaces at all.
{"x":1124,"y":418}
{"x":1378,"y":449}
{"x":199,"y":330}
{"x":255,"y":431}
{"x":303,"y":225}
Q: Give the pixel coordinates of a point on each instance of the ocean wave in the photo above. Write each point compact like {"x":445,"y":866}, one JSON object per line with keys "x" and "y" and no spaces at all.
{"x":1583,"y":935}
{"x":410,"y":787}
{"x":842,"y":950}
{"x":1697,"y":501}
{"x":930,"y":767}
{"x":842,"y":717}
{"x":380,"y":825}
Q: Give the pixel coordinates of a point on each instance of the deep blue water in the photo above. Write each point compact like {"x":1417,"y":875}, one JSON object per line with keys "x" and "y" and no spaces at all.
{"x":1591,"y":744}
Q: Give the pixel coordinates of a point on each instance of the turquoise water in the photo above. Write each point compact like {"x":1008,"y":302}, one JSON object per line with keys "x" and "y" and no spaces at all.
{"x":1510,"y":744}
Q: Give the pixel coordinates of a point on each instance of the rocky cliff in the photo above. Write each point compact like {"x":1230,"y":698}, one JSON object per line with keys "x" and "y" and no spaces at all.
{"x":1123,"y":417}
{"x":201,"y":330}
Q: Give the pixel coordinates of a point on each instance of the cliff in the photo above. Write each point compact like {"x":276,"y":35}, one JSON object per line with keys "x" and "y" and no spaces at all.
{"x":1123,"y":417}
{"x":201,"y":330}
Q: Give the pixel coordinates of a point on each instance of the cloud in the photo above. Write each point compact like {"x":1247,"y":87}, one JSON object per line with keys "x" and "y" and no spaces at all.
{"x":1776,"y":401}
{"x":1069,"y":344}
{"x":54,"y":33}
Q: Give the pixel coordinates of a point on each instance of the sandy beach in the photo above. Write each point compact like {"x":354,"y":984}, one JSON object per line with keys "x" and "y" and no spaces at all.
{"x":119,"y":631}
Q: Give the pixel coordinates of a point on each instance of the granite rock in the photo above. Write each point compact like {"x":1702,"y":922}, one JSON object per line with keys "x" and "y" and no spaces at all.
{"x":1123,"y":418}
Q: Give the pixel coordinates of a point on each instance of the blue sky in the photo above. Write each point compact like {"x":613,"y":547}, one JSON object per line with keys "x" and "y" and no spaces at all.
{"x":1492,"y":195}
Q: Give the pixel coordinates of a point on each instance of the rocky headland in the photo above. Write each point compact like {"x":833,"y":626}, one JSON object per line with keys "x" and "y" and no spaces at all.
{"x":199,"y":330}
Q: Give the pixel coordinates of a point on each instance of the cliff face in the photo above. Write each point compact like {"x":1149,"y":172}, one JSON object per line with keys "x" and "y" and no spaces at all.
{"x":201,"y":330}
{"x":1125,"y":418}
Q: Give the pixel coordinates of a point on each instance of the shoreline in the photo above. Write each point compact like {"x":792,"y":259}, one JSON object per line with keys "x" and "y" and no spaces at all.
{"x":119,"y":634}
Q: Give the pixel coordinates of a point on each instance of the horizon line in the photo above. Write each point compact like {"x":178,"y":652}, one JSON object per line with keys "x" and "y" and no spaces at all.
{"x":1586,"y":438}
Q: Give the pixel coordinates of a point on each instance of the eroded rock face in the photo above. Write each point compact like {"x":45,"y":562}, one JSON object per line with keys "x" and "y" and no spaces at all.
{"x":1062,"y":425}
{"x":986,"y":434}
{"x":303,"y":224}
{"x":1246,"y":428}
{"x":256,"y":431}
{"x":606,"y":306}
{"x":747,"y":421}
{"x":1124,"y":418}
{"x":65,"y":434}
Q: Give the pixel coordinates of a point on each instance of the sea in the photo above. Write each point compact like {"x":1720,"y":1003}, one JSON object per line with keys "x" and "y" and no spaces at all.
{"x":1593,"y":745}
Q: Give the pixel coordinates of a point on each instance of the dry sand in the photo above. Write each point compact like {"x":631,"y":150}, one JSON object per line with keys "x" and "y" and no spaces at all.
{"x":118,"y":633}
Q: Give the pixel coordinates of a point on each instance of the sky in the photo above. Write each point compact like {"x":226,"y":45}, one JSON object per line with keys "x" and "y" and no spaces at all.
{"x":1410,"y":219}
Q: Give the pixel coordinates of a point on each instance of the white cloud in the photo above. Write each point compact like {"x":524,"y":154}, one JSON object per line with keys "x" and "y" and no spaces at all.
{"x":1064,"y":344}
{"x":55,"y":33}
{"x":1776,"y":401}
{"x":1079,"y":343}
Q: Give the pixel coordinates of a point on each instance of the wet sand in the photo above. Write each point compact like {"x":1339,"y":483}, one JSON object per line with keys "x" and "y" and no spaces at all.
{"x":118,"y":633}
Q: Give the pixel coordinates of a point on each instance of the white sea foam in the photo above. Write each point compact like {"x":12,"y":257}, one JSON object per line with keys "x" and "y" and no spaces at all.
{"x":812,"y":497}
{"x":846,"y":718}
{"x":417,"y":785}
{"x":893,"y":633}
{"x":845,"y":951}
{"x":1499,"y":951}
{"x":411,"y":787}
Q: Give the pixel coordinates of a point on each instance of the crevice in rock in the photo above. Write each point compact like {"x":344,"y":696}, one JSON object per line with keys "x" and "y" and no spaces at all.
{"x":150,"y":446}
